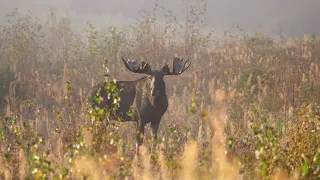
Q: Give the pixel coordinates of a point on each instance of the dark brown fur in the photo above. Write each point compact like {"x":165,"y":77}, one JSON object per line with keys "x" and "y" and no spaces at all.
{"x":145,"y":97}
{"x":135,"y":95}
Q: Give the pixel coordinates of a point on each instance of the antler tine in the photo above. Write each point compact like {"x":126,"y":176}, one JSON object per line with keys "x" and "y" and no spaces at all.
{"x":184,"y":65}
{"x":125,"y":63}
{"x":186,"y":61}
{"x":144,"y":65}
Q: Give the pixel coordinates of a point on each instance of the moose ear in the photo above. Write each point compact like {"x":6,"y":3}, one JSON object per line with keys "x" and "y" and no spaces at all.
{"x":166,"y":69}
{"x":178,"y":67}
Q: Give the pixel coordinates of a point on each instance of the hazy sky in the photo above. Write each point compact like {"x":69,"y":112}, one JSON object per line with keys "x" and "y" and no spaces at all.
{"x":292,"y":16}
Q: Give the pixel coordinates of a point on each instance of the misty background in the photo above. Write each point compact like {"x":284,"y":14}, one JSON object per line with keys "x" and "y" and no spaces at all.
{"x":290,"y":17}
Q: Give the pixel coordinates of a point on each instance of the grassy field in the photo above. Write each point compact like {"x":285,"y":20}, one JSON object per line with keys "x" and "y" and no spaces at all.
{"x":247,"y":108}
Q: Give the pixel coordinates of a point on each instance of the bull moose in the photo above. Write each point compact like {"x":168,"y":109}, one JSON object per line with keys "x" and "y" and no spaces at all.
{"x":145,"y":97}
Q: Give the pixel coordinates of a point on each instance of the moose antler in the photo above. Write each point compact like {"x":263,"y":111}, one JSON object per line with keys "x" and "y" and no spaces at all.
{"x":136,"y":66}
{"x":178,"y":67}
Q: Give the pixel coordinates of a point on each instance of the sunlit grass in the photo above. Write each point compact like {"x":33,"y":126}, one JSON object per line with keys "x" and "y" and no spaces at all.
{"x":247,"y":108}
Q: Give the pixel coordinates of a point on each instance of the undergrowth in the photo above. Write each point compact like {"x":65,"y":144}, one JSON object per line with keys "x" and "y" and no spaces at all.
{"x":246,"y":108}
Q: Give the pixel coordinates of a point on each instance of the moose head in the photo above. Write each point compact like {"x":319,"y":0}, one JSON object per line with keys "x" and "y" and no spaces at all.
{"x":155,"y":77}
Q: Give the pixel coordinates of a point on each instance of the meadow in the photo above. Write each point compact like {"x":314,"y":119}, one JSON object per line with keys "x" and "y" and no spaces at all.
{"x":247,"y":108}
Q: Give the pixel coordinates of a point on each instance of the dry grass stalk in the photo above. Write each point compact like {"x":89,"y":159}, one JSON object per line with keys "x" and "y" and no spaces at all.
{"x":225,"y":170}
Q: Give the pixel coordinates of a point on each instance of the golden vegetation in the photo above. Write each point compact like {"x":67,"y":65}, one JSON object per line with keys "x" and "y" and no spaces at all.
{"x":246,"y":108}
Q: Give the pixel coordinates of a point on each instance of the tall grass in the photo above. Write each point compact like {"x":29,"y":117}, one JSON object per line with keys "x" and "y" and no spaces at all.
{"x":246,"y":108}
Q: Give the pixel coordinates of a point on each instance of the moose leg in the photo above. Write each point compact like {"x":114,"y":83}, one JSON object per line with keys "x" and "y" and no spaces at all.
{"x":139,"y":136}
{"x":154,"y":127}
